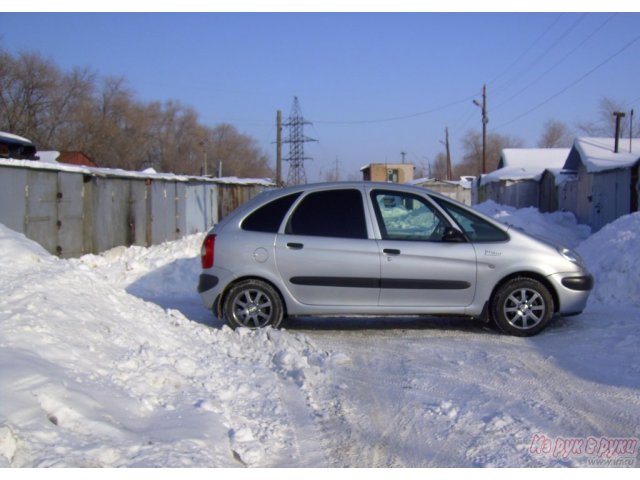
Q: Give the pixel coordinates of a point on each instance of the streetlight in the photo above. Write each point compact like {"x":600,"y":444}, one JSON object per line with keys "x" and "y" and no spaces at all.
{"x":485,"y":120}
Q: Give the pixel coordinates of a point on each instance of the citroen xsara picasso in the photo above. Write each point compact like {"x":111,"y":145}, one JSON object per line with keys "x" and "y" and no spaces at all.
{"x":382,"y":249}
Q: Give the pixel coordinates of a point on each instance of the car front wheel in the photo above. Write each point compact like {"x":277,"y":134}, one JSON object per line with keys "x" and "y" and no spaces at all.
{"x":252,"y":304}
{"x":522,"y":307}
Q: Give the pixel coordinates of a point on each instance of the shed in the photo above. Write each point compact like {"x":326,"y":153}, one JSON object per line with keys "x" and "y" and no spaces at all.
{"x":552,"y":195}
{"x":14,"y":146}
{"x":516,"y":182}
{"x":606,"y":185}
{"x":388,"y":172}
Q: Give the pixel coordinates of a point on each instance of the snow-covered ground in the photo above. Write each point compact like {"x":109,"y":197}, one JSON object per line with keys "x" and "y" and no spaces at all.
{"x":110,"y":360}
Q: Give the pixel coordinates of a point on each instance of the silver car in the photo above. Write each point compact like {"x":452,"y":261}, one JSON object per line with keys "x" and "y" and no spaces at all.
{"x":363,"y":248}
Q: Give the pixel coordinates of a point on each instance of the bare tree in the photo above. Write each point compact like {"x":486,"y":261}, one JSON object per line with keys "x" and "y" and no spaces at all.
{"x":555,"y":135}
{"x":26,"y":92}
{"x":238,"y":153}
{"x":605,"y":124}
{"x":472,"y":148}
{"x":439,"y":169}
{"x":102,"y":118}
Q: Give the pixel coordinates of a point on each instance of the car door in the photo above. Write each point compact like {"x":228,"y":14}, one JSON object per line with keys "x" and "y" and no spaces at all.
{"x":419,"y":268}
{"x":326,"y":255}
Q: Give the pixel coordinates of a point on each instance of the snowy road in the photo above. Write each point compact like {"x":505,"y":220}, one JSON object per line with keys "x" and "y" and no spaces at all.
{"x":111,"y":360}
{"x":439,"y":393}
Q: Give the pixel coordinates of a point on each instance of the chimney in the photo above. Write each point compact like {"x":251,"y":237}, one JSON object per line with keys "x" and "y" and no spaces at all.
{"x":618,"y":116}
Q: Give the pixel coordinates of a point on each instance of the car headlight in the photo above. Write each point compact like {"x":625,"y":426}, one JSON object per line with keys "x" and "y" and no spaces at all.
{"x":570,"y":255}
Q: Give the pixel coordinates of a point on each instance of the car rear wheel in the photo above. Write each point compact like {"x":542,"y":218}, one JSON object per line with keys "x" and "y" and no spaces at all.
{"x":522,"y":307}
{"x":252,"y":304}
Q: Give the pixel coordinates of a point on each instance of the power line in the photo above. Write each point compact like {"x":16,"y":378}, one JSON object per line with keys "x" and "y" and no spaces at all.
{"x":392,"y":119}
{"x":531,"y":64}
{"x":572,"y":84}
{"x":555,"y":65}
{"x":526,"y":50}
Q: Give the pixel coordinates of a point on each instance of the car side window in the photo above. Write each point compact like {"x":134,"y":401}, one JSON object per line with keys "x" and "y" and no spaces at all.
{"x":477,"y":229}
{"x":330,"y":213}
{"x":404,"y":216}
{"x":268,"y":217}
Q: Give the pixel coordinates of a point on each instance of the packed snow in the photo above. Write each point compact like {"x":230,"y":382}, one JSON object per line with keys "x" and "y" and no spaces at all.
{"x":111,"y":361}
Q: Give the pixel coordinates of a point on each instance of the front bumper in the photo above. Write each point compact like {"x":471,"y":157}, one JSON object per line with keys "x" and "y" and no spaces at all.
{"x":582,"y":283}
{"x":573,"y":291}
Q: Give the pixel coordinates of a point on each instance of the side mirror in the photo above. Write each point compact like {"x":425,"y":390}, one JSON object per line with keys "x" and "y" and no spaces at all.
{"x":452,"y":235}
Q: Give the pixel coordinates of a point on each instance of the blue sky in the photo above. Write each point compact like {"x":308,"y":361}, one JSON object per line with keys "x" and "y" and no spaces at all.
{"x":374,"y":85}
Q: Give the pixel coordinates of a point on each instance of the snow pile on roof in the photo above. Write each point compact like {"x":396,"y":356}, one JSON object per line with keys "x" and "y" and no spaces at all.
{"x":559,"y":227}
{"x":534,"y":157}
{"x":48,"y":156}
{"x":117,"y":172}
{"x":612,"y":256}
{"x":15,"y":138}
{"x":597,"y":153}
{"x":527,"y":163}
{"x":464,"y":182}
{"x":266,"y":182}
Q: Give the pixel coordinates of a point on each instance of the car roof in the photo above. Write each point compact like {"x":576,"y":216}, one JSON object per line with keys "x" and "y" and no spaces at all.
{"x":355,"y":184}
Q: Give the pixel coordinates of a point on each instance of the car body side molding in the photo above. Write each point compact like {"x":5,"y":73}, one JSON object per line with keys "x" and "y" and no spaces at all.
{"x":390,"y":283}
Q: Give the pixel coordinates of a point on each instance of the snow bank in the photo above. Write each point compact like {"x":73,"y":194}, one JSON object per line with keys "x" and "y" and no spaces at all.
{"x":94,"y":376}
{"x":560,"y":227}
{"x":612,"y":256}
{"x":18,"y":251}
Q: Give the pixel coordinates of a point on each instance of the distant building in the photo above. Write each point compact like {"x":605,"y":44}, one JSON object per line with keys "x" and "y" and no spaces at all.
{"x":19,"y":148}
{"x":388,"y":172}
{"x":76,"y":158}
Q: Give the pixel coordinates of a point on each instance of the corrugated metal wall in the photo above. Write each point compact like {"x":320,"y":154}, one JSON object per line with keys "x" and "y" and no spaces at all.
{"x":72,"y":213}
{"x":519,"y":194}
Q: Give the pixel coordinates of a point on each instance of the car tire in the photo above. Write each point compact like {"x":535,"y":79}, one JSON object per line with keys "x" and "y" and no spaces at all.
{"x":522,"y":307}
{"x":252,"y":304}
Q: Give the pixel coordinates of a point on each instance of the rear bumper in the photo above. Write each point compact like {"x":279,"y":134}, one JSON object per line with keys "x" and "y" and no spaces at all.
{"x":207,"y":282}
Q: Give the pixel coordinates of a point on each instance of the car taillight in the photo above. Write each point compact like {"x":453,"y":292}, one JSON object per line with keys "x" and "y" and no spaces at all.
{"x":208,"y":251}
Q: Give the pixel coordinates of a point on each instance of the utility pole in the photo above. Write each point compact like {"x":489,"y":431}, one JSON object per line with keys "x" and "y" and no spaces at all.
{"x":630,"y":130}
{"x":485,"y":120}
{"x":618,"y":116}
{"x":279,"y":148}
{"x":446,"y":144}
{"x":203,"y":144}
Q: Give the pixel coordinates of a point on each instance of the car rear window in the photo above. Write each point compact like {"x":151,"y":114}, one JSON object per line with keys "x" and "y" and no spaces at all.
{"x":330,"y":213}
{"x":268,"y":218}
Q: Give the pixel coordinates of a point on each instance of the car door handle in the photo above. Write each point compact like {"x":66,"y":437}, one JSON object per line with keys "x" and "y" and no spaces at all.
{"x":295,"y":246}
{"x":391,"y":251}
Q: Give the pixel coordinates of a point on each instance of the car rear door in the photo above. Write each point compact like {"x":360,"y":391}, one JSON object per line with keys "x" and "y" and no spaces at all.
{"x":327,"y":255}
